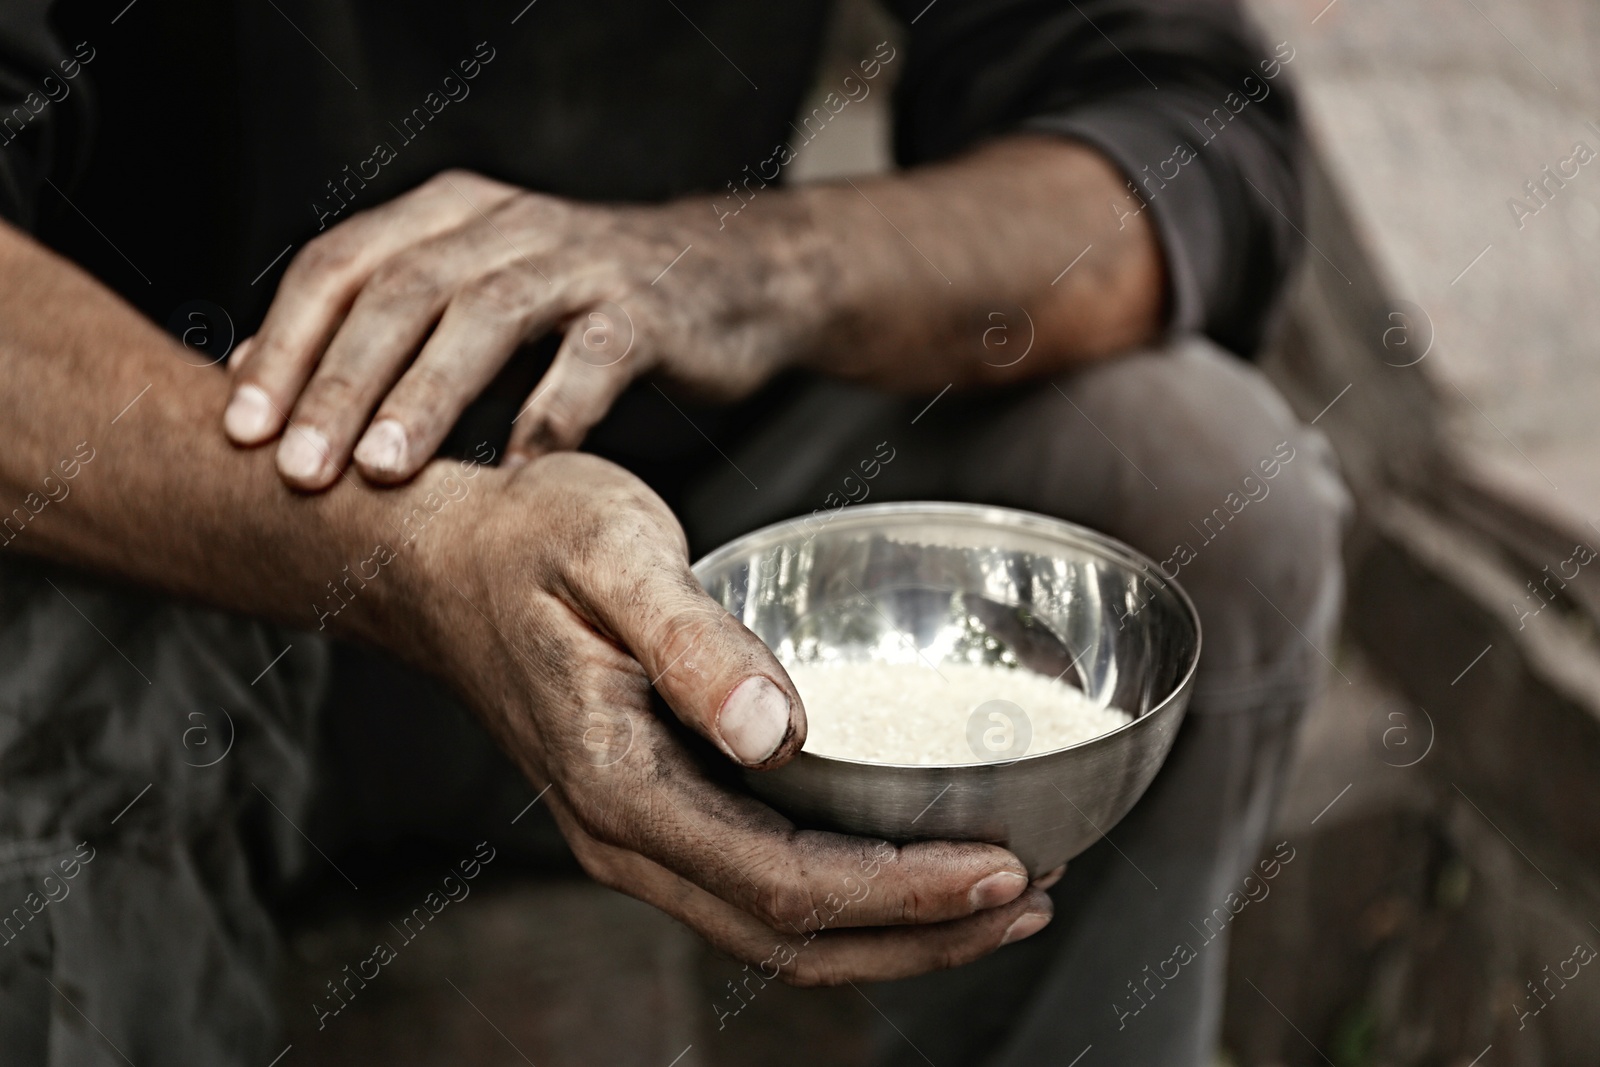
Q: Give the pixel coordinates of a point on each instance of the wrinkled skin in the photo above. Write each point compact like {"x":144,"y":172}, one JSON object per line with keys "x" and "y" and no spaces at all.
{"x":563,"y":593}
{"x":562,"y":590}
{"x":487,"y":267}
{"x":385,"y":327}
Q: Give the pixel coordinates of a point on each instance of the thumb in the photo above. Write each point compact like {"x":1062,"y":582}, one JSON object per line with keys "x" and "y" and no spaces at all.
{"x":716,"y":675}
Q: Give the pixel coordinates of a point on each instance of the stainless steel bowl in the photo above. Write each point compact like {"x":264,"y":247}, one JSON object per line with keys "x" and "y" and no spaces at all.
{"x":937,"y":583}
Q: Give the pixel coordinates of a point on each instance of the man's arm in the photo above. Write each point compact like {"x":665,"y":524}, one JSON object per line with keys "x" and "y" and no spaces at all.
{"x":1184,"y":96}
{"x":1154,"y":139}
{"x":547,"y":596}
{"x":164,"y":503}
{"x":950,"y":272}
{"x":945,"y":274}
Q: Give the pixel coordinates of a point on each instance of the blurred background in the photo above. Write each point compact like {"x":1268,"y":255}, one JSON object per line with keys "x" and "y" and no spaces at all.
{"x":1445,"y":805}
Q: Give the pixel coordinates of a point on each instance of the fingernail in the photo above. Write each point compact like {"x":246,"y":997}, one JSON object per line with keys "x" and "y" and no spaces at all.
{"x":754,"y":720}
{"x":1050,"y":878}
{"x":303,"y":453}
{"x":249,"y":415}
{"x":1026,"y":926}
{"x":383,"y":447}
{"x":999,"y":888}
{"x":514,"y":460}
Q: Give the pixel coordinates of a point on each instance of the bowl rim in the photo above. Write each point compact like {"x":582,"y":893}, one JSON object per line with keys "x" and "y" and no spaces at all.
{"x":859,"y":515}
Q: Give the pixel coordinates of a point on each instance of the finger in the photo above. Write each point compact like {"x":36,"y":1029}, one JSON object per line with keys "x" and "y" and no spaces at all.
{"x":597,"y":360}
{"x":240,"y":353}
{"x":749,"y":855}
{"x":385,"y":326}
{"x":816,"y":951}
{"x":716,"y":675}
{"x":648,"y":795}
{"x":646,"y":792}
{"x":880,"y":954}
{"x":321,"y":283}
{"x":1050,"y":877}
{"x":480,"y":330}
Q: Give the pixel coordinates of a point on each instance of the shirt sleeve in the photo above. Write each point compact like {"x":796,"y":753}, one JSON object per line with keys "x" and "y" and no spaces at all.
{"x":44,"y":108}
{"x":1180,"y":94}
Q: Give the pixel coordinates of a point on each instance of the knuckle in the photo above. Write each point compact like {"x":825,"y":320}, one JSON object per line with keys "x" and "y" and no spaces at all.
{"x":597,"y":860}
{"x":502,"y":295}
{"x":812,"y":971}
{"x":449,"y":175}
{"x":560,"y":429}
{"x":599,"y":828}
{"x":425,"y":389}
{"x":330,"y":392}
{"x":459,"y":188}
{"x":617,"y":528}
{"x":950,"y":955}
{"x":452,"y":178}
{"x":403,"y":280}
{"x":912,"y":908}
{"x":324,"y":257}
{"x":551,"y":212}
{"x":606,"y":575}
{"x":783,"y":903}
{"x":607,"y":333}
{"x":621,"y":530}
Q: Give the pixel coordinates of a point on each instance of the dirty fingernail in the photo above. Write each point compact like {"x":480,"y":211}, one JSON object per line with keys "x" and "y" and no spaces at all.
{"x":249,"y":415}
{"x":383,"y":447}
{"x":1026,"y":926}
{"x":754,"y":720}
{"x":303,"y":453}
{"x":999,"y":888}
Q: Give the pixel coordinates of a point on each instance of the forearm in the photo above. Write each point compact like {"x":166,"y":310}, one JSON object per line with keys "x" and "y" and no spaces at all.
{"x":165,"y":501}
{"x":945,"y":273}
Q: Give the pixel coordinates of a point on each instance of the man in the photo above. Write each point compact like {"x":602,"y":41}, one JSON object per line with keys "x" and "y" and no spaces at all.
{"x":1109,"y":186}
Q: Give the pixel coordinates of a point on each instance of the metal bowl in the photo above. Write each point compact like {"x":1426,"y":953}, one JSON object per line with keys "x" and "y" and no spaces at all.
{"x":939,"y":583}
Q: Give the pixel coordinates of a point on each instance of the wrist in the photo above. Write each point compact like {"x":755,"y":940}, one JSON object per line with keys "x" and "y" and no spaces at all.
{"x":417,"y":564}
{"x":925,"y":267}
{"x":870,"y":292}
{"x":776,"y":270}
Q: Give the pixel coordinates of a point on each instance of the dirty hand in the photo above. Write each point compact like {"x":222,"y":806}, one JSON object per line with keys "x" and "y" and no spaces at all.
{"x":388,"y":325}
{"x":560,"y":595}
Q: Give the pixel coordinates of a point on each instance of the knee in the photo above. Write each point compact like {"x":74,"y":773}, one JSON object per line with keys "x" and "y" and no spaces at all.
{"x":1266,"y":568}
{"x":1254,"y":511}
{"x":1193,"y":457}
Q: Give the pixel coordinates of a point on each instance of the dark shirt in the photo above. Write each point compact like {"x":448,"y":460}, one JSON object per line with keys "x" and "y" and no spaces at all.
{"x":199,"y":139}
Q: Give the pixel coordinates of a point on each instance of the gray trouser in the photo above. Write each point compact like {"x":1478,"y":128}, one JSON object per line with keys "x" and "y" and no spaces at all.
{"x":160,"y":939}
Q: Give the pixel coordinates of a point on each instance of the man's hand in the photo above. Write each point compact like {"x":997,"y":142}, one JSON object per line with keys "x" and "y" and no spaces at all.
{"x":553,"y":596}
{"x":388,"y":325}
{"x":487,"y":267}
{"x":562,"y":595}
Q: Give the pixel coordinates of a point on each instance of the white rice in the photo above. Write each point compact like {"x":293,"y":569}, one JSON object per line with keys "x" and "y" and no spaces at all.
{"x":912,"y":713}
